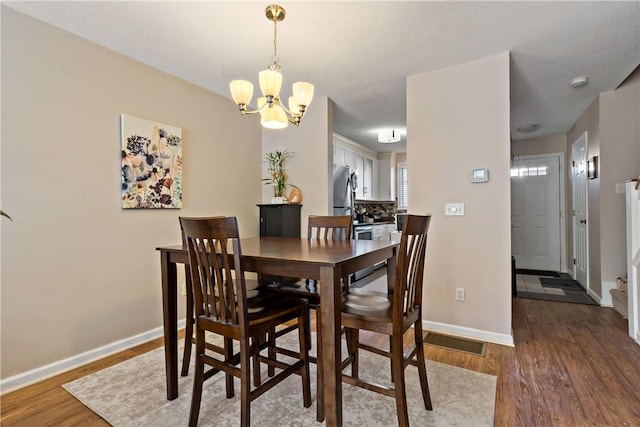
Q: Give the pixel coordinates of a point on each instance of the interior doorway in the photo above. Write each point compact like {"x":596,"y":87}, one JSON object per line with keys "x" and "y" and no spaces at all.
{"x":537,"y":201}
{"x":579,"y":207}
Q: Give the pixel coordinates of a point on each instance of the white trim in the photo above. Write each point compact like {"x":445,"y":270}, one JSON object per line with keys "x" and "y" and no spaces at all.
{"x":462,"y":331}
{"x":605,"y":300}
{"x":35,"y":375}
{"x":596,"y":297}
{"x":563,"y":183}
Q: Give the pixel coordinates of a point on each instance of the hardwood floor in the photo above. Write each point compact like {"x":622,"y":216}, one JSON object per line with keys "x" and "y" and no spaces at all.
{"x":572,"y":365}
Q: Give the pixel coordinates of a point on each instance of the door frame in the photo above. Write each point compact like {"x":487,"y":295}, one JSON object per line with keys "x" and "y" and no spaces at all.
{"x":562,"y":182}
{"x":583,"y":137}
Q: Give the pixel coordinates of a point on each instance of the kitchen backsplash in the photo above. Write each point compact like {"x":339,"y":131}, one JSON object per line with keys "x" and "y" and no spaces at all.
{"x":382,"y":208}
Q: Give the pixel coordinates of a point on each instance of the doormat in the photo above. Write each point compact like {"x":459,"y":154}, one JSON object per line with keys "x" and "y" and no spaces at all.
{"x":562,"y":283}
{"x":537,"y":272}
{"x":454,"y":343}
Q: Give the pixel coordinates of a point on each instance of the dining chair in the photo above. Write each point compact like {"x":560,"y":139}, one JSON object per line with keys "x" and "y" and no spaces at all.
{"x":393,"y":314}
{"x":221,"y":306}
{"x":189,"y":339}
{"x":320,"y":228}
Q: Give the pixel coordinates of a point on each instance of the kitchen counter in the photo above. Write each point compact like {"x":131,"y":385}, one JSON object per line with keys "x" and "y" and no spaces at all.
{"x":363,"y":224}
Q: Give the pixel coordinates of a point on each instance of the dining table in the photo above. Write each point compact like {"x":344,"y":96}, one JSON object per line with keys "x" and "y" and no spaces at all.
{"x":326,"y":261}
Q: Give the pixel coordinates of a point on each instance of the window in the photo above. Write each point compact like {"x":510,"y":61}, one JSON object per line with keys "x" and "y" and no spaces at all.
{"x":403,"y":183}
{"x":533,"y":171}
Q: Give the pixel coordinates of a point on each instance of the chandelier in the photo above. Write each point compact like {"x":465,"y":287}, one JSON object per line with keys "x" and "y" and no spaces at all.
{"x":273,"y":114}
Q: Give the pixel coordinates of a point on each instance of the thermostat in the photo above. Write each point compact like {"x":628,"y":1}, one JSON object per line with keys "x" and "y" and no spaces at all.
{"x":480,"y":175}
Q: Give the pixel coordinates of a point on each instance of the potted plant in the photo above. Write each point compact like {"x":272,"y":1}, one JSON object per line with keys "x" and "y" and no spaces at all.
{"x":275,"y":161}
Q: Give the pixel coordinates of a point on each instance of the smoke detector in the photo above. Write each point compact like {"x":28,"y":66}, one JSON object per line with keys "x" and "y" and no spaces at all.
{"x":579,"y":82}
{"x":530,"y":128}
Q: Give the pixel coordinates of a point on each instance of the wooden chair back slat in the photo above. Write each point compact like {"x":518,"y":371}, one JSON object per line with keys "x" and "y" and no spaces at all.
{"x":330,"y":227}
{"x":410,"y":265}
{"x":217,"y":294}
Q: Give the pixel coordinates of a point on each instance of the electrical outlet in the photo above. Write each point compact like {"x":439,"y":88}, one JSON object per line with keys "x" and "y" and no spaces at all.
{"x":183,"y":285}
{"x":459,"y":294}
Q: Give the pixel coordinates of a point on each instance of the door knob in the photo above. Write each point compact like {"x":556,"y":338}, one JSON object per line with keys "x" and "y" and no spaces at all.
{"x":583,"y":221}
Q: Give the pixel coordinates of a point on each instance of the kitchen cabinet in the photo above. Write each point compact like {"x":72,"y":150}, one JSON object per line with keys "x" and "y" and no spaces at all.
{"x":280,"y":220}
{"x":387,"y":176}
{"x":380,"y":231}
{"x":361,"y":161}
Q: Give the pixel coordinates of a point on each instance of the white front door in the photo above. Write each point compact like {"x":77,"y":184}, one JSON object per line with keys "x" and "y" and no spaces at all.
{"x":535,"y":213}
{"x":580,"y":234}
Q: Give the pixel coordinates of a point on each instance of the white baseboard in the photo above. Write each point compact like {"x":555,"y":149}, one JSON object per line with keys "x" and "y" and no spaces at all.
{"x":596,"y":297}
{"x":462,"y":331}
{"x":606,"y":300}
{"x":35,"y":375}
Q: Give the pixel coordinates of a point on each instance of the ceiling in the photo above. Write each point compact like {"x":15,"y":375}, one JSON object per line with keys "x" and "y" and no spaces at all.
{"x":359,"y":53}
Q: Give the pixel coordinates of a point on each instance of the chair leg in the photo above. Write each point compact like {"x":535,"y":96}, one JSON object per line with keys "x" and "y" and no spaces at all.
{"x":271,"y":351}
{"x":228,"y":353}
{"x":422,"y":369}
{"x":319,"y":371}
{"x":397,"y":363}
{"x":197,"y":381}
{"x":304,"y":339}
{"x":353,"y":338}
{"x":188,"y":330}
{"x":245,"y":383}
{"x":391,"y":352}
{"x":255,"y":352}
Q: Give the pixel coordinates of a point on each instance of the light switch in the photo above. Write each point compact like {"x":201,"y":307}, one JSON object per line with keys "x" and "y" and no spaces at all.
{"x":454,"y":209}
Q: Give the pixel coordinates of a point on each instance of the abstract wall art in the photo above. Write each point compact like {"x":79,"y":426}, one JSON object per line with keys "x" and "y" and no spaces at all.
{"x":151,"y":171}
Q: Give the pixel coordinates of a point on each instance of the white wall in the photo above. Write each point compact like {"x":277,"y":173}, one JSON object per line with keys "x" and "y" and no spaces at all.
{"x":79,"y":272}
{"x":457,"y":120}
{"x":311,"y":164}
{"x":619,"y":148}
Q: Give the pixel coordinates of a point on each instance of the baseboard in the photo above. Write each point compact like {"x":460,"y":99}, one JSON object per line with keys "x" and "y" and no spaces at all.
{"x":35,"y":375}
{"x":597,"y":297}
{"x":461,"y":331}
{"x":606,"y":300}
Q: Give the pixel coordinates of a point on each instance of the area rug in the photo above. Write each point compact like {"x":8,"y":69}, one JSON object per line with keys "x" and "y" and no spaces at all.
{"x":133,"y":393}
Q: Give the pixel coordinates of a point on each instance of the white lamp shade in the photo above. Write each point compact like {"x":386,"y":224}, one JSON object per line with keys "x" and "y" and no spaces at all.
{"x":270,"y":82}
{"x":293,"y":105}
{"x":274,"y":117}
{"x":303,"y":92}
{"x":241,"y":91}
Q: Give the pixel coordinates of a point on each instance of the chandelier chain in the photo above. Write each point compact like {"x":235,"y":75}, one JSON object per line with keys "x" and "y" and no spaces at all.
{"x":275,"y":59}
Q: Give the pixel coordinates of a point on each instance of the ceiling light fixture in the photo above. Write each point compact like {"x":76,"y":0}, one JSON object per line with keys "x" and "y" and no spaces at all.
{"x":530,"y":128}
{"x":579,"y":82}
{"x":273,"y":114}
{"x":388,"y":136}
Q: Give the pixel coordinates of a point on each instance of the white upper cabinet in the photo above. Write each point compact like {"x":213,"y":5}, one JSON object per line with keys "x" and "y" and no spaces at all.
{"x":361,"y":161}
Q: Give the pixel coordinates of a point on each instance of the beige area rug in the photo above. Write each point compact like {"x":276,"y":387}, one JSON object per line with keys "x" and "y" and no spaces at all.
{"x":133,"y":393}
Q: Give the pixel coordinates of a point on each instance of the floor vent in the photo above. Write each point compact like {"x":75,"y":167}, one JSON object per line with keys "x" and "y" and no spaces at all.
{"x":454,"y":343}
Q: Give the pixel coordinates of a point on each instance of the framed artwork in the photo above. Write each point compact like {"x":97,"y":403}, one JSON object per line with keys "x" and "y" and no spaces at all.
{"x":151,"y":164}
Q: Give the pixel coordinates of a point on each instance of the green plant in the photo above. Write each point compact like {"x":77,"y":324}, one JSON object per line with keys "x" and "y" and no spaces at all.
{"x":3,"y":213}
{"x":275,"y":161}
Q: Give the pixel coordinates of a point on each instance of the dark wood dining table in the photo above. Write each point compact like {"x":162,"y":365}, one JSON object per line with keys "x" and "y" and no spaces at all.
{"x":324,"y":260}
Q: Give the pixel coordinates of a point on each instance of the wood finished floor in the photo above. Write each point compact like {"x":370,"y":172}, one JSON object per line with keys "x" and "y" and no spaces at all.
{"x":573,"y":365}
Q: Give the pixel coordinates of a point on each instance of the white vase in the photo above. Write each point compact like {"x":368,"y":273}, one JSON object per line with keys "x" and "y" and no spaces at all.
{"x":277,"y":200}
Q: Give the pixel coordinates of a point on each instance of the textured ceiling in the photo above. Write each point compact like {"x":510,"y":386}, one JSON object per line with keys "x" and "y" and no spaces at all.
{"x":360,"y":53}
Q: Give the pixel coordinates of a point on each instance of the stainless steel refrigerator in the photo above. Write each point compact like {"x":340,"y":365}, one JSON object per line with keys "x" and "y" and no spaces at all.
{"x":344,"y":186}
